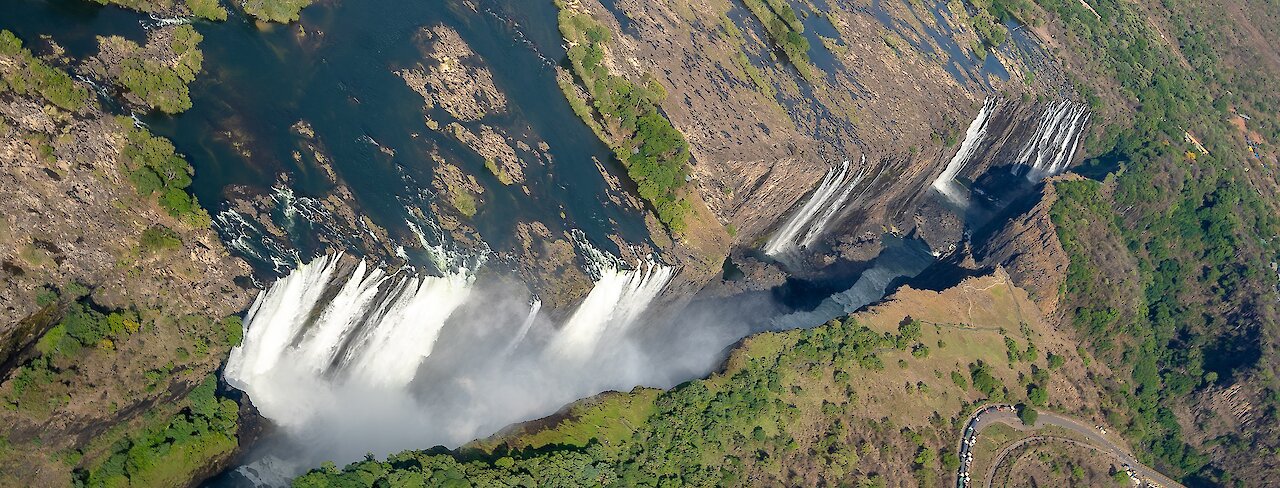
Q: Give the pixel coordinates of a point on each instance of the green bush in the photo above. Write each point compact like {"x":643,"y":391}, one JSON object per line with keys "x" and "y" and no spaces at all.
{"x":30,"y":75}
{"x":45,"y":296}
{"x":282,"y":11}
{"x":153,"y":167}
{"x":654,"y":152}
{"x":233,"y":327}
{"x":1027,"y":414}
{"x":207,"y":9}
{"x":785,"y":30}
{"x":1038,"y":396}
{"x":171,"y":453}
{"x":159,"y":238}
{"x":161,"y":84}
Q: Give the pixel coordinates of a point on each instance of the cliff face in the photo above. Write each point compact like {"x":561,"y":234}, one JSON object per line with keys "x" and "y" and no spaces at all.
{"x":896,"y":84}
{"x":1027,"y":246}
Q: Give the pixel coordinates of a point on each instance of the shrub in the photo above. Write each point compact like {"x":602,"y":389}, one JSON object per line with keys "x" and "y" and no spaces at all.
{"x":233,"y":327}
{"x":207,"y":9}
{"x":1027,"y":414}
{"x":153,"y":167}
{"x":32,"y":76}
{"x":282,"y":11}
{"x":159,"y":238}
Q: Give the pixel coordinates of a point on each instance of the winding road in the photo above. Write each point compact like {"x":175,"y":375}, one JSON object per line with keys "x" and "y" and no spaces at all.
{"x":1005,"y":414}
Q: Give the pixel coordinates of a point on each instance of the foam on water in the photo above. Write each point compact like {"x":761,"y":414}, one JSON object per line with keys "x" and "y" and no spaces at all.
{"x":320,"y":330}
{"x":619,"y":297}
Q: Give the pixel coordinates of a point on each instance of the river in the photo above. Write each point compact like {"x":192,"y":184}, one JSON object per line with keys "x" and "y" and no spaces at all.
{"x":410,"y":361}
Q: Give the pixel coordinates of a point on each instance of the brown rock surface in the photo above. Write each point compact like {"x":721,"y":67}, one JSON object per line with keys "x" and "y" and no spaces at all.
{"x":1028,"y":247}
{"x":453,"y":77}
{"x":70,"y":216}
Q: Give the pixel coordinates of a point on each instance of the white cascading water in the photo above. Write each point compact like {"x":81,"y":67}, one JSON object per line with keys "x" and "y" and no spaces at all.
{"x":248,"y":238}
{"x":807,"y":224}
{"x":619,"y":297}
{"x":306,"y":346}
{"x":1049,"y":151}
{"x":973,"y":137}
{"x":344,"y":357}
{"x":534,"y":307}
{"x":820,"y":225}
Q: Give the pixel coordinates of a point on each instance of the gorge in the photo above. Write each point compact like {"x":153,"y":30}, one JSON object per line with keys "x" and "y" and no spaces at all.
{"x":628,"y":243}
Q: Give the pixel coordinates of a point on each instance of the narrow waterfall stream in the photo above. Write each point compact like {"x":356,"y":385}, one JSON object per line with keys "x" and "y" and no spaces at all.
{"x":973,"y":137}
{"x":807,"y":224}
{"x":1049,"y":151}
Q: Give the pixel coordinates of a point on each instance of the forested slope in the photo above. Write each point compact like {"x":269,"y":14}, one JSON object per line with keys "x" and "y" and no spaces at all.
{"x":1187,"y":197}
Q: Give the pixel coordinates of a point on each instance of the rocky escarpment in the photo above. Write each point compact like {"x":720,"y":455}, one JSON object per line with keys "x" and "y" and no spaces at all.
{"x":75,"y":233}
{"x":70,"y":216}
{"x":1027,"y":246}
{"x":885,"y":82}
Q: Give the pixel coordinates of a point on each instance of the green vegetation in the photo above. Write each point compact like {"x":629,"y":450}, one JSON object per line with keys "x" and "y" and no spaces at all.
{"x":45,"y":296}
{"x":162,"y":83}
{"x":1038,"y":396}
{"x":502,"y":175}
{"x":785,"y":30}
{"x":153,"y":168}
{"x":25,"y":74}
{"x":207,"y":9}
{"x":987,"y":383}
{"x":170,"y":453}
{"x":463,"y":200}
{"x":776,"y":408}
{"x":94,"y":394}
{"x":1196,"y":230}
{"x":234,"y":329}
{"x":35,"y":387}
{"x":990,"y":16}
{"x":166,"y":451}
{"x":159,"y":238}
{"x":1027,"y":414}
{"x":655,"y":154}
{"x":282,"y":11}
{"x":753,"y":73}
{"x":1055,"y":361}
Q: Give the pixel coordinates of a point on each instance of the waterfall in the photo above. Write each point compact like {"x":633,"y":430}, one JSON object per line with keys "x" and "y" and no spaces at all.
{"x":1049,"y":150}
{"x":322,"y":329}
{"x":973,"y":137}
{"x":613,"y":305}
{"x":820,"y":225}
{"x":534,"y":307}
{"x":344,"y":356}
{"x":807,"y":224}
{"x":348,"y":359}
